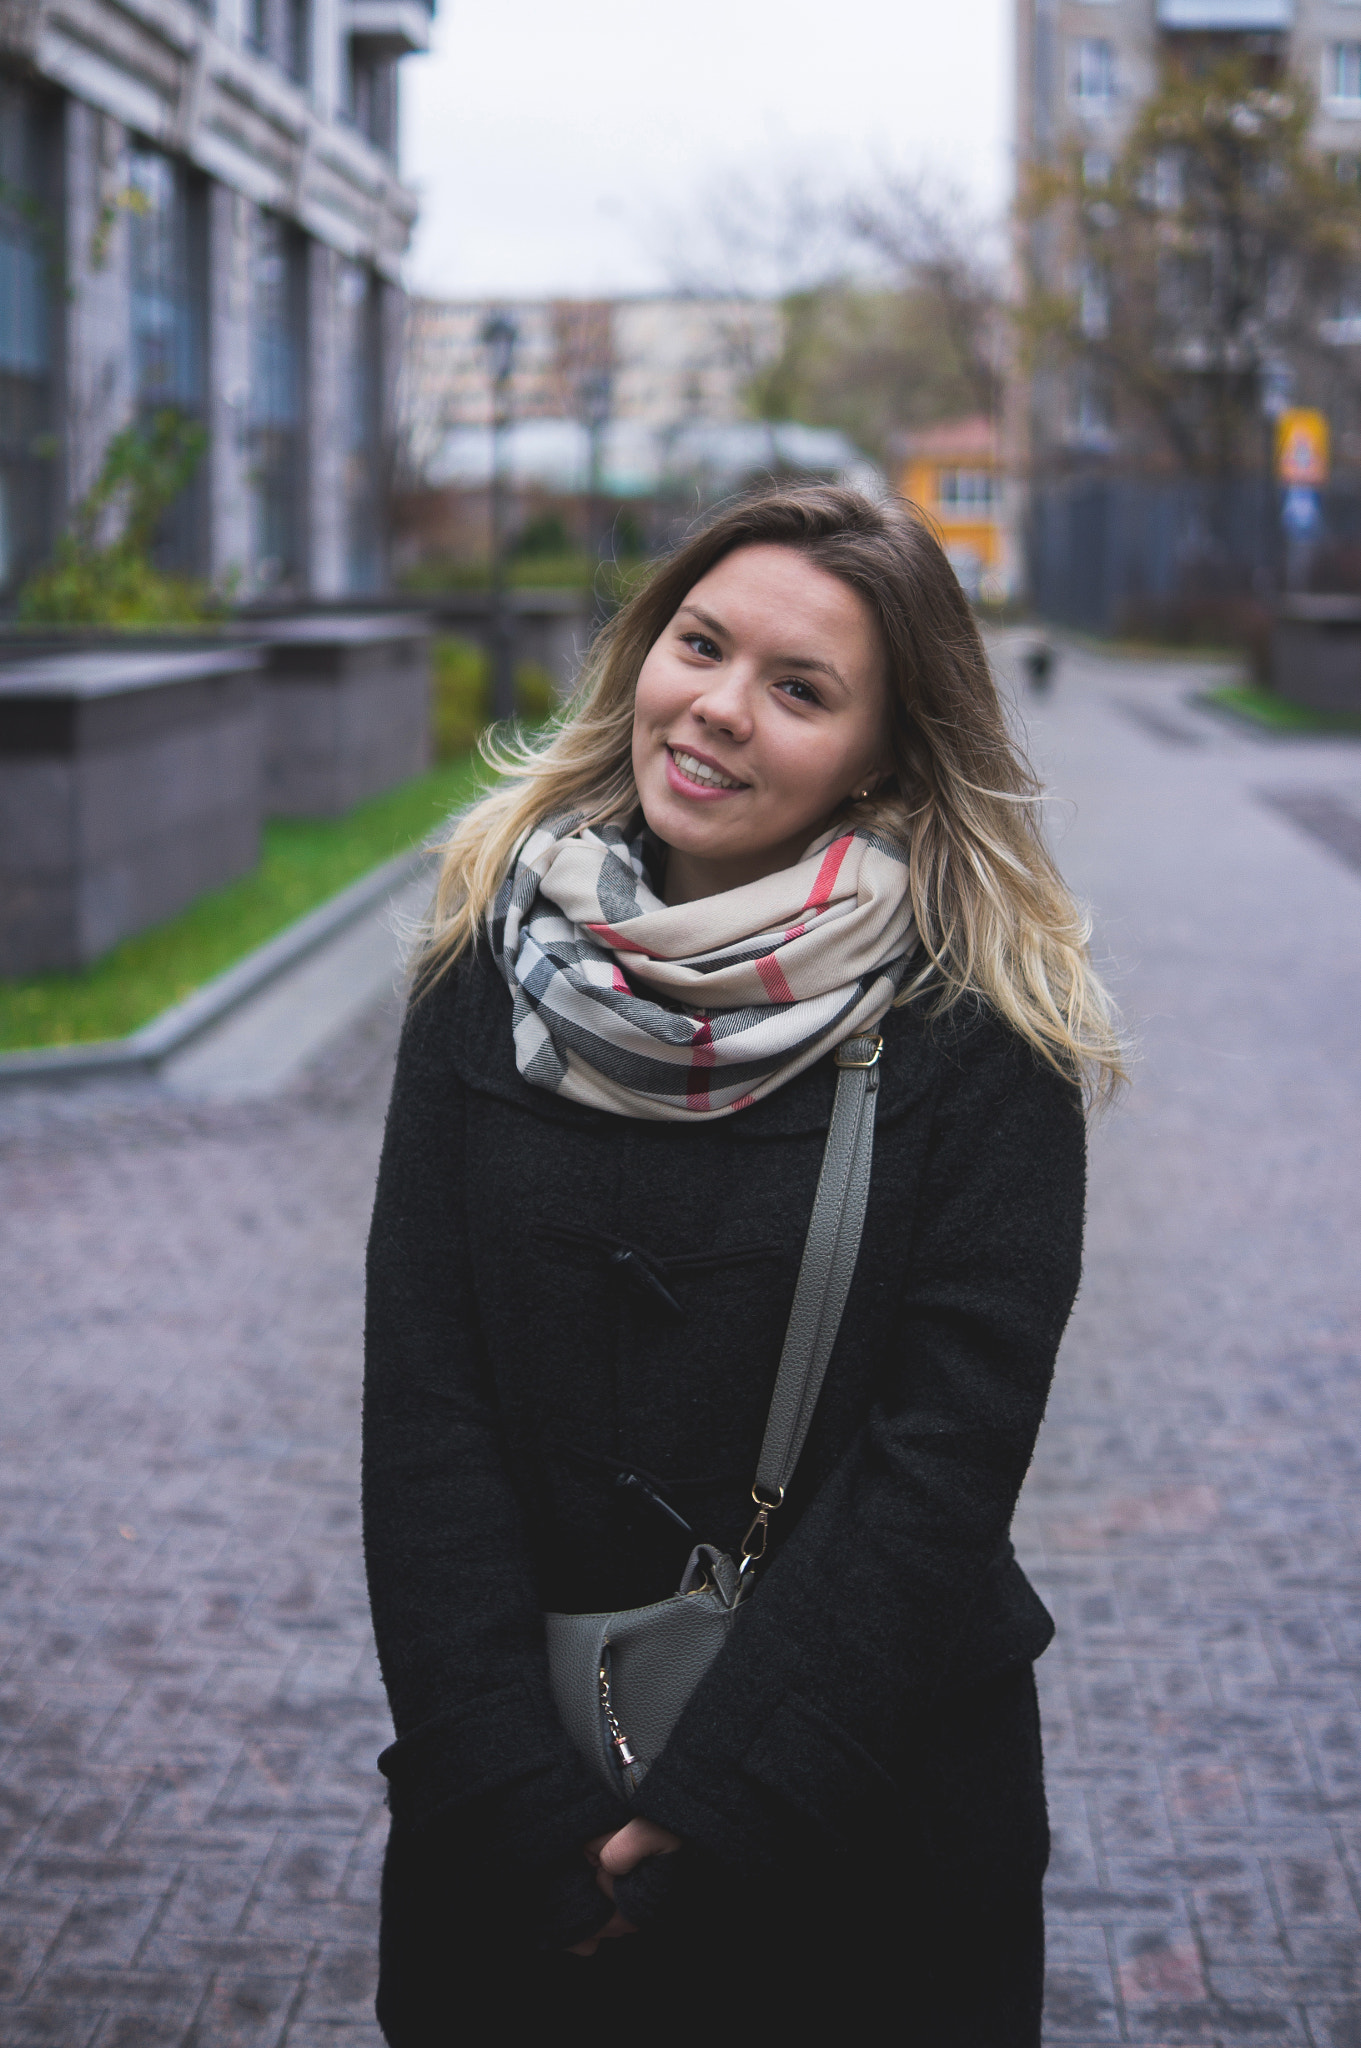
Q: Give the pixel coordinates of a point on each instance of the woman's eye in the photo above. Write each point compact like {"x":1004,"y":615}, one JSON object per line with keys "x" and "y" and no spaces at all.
{"x":800,"y":691}
{"x":704,"y":648}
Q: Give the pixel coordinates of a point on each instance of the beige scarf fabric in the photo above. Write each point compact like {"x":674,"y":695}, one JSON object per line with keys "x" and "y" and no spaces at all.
{"x":628,"y":1004}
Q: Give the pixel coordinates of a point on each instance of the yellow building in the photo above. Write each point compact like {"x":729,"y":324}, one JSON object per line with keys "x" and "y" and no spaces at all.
{"x":954,"y":471}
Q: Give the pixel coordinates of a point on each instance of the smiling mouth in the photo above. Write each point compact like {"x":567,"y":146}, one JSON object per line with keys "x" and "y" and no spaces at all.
{"x":695,"y":770}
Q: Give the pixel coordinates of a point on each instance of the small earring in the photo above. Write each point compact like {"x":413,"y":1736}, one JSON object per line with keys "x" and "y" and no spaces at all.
{"x":860,"y":795}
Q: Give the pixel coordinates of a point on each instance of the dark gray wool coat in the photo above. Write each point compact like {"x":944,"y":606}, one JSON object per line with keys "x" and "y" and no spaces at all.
{"x":570,"y":1311}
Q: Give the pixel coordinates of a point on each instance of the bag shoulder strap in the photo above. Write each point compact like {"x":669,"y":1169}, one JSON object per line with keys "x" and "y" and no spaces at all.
{"x":829,"y":1255}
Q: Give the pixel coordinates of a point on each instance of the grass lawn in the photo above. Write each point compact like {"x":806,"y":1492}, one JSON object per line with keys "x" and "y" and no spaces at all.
{"x":1278,"y":714}
{"x":303,"y":862}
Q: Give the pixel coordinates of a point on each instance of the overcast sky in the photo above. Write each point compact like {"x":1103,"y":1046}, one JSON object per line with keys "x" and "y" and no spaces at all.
{"x":555,"y":143}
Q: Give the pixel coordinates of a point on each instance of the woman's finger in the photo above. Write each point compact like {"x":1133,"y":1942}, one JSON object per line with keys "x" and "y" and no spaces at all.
{"x":611,"y":1931}
{"x":635,"y":1840}
{"x":616,"y":1926}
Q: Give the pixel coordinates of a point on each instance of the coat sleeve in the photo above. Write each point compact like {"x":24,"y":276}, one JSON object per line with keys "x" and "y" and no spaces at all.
{"x":795,"y":1733}
{"x":479,"y":1746}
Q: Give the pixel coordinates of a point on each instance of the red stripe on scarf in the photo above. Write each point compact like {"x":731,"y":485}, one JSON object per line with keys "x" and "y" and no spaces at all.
{"x":621,"y":987}
{"x":702,"y":1056}
{"x":773,"y":981}
{"x":828,"y":872}
{"x":611,"y":937}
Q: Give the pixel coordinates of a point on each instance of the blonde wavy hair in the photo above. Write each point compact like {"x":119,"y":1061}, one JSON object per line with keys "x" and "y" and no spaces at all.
{"x":994,"y":915}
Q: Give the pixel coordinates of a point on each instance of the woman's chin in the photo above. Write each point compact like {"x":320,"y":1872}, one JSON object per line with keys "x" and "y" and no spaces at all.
{"x":698,"y":827}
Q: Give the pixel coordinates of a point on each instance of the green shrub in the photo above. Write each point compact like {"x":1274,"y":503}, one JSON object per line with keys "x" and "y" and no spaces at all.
{"x":90,"y":582}
{"x":611,"y":580}
{"x":461,"y":707}
{"x":545,"y":536}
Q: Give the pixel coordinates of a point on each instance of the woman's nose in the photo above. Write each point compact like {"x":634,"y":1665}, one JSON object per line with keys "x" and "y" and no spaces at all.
{"x":725,"y":704}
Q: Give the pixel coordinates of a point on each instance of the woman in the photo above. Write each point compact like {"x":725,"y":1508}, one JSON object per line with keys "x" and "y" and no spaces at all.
{"x":783,"y":809}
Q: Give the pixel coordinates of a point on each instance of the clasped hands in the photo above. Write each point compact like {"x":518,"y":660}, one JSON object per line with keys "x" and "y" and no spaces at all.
{"x":615,"y":1856}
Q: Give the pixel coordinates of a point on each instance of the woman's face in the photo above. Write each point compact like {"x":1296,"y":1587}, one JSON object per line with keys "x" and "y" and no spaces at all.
{"x":759,"y":711}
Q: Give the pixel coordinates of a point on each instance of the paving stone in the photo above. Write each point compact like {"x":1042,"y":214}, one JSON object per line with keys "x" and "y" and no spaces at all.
{"x":35,"y":2025}
{"x":1336,"y":2026}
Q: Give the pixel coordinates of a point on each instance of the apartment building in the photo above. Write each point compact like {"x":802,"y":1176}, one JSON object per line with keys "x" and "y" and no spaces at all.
{"x":200,"y":207}
{"x":647,"y":369}
{"x":1112,"y":535}
{"x":1084,"y":66}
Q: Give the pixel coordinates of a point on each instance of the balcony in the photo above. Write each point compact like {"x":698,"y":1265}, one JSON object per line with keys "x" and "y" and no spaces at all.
{"x":389,"y":28}
{"x":1227,"y":17}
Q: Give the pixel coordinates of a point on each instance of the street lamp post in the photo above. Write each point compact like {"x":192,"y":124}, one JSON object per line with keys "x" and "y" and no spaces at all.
{"x":597,"y":395}
{"x":500,"y":336}
{"x":1277,"y":383}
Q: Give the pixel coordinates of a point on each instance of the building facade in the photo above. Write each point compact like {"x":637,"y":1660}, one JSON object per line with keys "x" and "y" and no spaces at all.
{"x":956,"y":472}
{"x":642,"y":371}
{"x":200,"y":208}
{"x":1085,"y":66}
{"x":1115,"y":537}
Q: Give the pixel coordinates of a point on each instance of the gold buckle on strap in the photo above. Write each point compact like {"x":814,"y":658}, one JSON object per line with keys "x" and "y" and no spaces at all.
{"x":844,"y":1058}
{"x":754,"y":1542}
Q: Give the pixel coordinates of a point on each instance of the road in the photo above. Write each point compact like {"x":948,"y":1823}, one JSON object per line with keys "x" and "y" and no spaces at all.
{"x":190,"y":1822}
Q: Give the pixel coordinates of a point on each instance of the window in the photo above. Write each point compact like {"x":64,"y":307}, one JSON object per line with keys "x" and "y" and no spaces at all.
{"x":1342,"y":72}
{"x":1093,"y":415}
{"x":1169,"y":181}
{"x":371,"y":96}
{"x":1094,"y":72}
{"x":277,"y":441}
{"x":1047,"y":49}
{"x":1094,"y":302}
{"x":297,"y":54}
{"x":361,"y":340}
{"x":28,"y":241}
{"x":1343,"y":326}
{"x":167,"y":298}
{"x":968,"y":490}
{"x":282,"y":30}
{"x":166,"y":282}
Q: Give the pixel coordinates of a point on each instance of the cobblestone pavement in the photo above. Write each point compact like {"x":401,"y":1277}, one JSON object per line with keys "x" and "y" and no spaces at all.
{"x":190,"y":1820}
{"x":1193,"y":1515}
{"x":190,"y":1823}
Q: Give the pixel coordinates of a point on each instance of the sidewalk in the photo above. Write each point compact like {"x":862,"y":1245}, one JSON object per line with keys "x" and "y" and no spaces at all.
{"x":1193,"y":1514}
{"x":262,"y":1047}
{"x":191,"y":1825}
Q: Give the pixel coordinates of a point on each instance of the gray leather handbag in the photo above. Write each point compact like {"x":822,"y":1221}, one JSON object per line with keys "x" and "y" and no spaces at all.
{"x":621,"y":1680}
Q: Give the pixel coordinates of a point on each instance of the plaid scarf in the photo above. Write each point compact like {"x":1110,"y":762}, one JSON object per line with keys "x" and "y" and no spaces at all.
{"x":632,"y":1005}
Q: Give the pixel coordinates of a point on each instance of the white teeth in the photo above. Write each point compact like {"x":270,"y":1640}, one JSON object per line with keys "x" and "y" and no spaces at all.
{"x":695,"y":770}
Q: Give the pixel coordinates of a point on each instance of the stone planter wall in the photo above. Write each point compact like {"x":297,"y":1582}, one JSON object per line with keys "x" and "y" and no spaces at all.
{"x":1316,"y":652}
{"x":347,"y":709}
{"x":130,"y":783}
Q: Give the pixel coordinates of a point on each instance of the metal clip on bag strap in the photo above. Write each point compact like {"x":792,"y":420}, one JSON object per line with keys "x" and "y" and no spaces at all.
{"x":829,"y":1256}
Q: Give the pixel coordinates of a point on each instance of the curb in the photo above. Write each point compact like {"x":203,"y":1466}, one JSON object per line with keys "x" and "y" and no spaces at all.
{"x":1269,"y":735}
{"x":142,"y":1052}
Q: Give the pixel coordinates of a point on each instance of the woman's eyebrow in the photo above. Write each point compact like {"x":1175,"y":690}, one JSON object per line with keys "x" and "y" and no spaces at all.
{"x":808,"y":661}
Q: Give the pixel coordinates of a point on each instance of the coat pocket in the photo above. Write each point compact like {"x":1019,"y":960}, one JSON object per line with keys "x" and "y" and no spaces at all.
{"x":815,"y":1767}
{"x":479,"y":1746}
